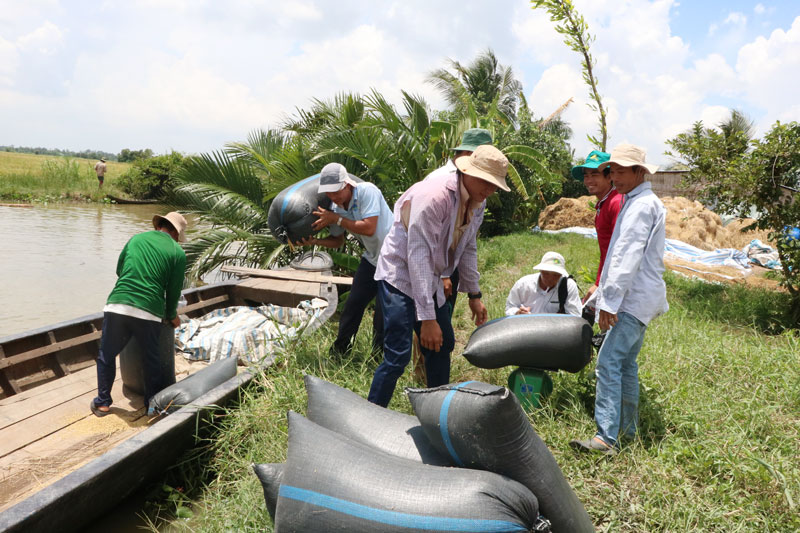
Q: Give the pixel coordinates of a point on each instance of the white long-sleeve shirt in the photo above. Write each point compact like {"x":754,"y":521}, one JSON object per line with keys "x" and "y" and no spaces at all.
{"x":632,"y":278}
{"x":526,"y":291}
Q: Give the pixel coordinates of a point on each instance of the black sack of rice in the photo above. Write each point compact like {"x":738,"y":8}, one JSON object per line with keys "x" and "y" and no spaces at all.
{"x":333,"y":483}
{"x":192,"y":387}
{"x":132,"y":356}
{"x":548,"y":342}
{"x":484,"y":426}
{"x":345,"y":412}
{"x":291,"y":213}
{"x":270,"y":476}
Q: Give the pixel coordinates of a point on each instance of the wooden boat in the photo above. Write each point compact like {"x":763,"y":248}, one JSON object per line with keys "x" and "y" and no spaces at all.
{"x":120,"y":200}
{"x":61,"y":467}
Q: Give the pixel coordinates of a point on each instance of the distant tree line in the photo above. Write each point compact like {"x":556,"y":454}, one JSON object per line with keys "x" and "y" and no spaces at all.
{"x":87,"y":154}
{"x":125,"y":156}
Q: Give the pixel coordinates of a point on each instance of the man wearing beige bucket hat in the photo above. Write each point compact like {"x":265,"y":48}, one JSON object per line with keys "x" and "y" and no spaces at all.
{"x":631,"y":293}
{"x":434,"y":230}
{"x":150,"y":272}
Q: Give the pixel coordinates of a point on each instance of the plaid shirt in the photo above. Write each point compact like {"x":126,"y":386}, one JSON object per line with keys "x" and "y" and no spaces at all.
{"x":413,"y":260}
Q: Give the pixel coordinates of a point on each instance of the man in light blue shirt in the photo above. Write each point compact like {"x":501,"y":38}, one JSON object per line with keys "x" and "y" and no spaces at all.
{"x":360,"y":209}
{"x":631,"y":293}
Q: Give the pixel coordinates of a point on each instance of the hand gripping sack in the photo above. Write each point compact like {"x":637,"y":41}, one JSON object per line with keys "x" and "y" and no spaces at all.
{"x":483,"y":426}
{"x":192,"y":387}
{"x":349,"y":414}
{"x":291,"y":213}
{"x":333,"y":483}
{"x":549,"y":342}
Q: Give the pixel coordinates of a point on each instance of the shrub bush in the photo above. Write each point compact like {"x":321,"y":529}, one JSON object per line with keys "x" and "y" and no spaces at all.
{"x":150,"y":178}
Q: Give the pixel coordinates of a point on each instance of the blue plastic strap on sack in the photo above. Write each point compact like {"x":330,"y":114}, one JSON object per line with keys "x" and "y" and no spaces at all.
{"x":443,"y":423}
{"x":394,"y":518}
{"x":291,"y":191}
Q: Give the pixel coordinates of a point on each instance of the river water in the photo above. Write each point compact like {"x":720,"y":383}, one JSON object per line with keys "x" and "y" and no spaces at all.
{"x":58,"y":262}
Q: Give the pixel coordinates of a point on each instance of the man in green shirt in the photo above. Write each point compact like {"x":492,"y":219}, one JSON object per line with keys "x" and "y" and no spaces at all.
{"x":150,"y":272}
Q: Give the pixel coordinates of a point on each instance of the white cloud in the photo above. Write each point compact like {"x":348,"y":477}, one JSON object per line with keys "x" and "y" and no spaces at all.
{"x":194,"y":75}
{"x":736,"y":18}
{"x":769,"y":71}
{"x":45,"y":40}
{"x":759,"y":9}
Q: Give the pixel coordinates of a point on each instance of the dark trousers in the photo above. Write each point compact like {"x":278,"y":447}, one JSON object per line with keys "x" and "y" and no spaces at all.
{"x":399,"y":320}
{"x":117,"y":331}
{"x":451,"y":300}
{"x":363,"y":291}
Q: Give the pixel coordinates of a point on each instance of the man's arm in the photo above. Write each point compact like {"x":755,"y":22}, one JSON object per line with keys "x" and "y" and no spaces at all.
{"x":427,"y":225}
{"x":174,"y":287}
{"x":332,"y":241}
{"x":326,"y":218}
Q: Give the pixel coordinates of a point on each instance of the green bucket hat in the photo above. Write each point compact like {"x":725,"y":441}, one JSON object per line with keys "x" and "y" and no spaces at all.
{"x":593,"y":160}
{"x":473,"y":138}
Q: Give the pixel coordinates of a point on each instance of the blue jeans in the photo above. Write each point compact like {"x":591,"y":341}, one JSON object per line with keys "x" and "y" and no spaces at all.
{"x":362,"y":292}
{"x":399,"y":320}
{"x":117,"y":331}
{"x":616,"y":406}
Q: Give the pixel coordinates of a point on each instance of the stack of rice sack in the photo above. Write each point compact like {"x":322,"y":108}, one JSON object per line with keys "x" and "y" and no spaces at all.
{"x":469,"y":461}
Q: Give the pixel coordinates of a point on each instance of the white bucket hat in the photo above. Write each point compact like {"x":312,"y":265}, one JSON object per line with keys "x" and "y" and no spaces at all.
{"x":333,"y":178}
{"x":628,"y":155}
{"x":487,"y":163}
{"x":553,"y":262}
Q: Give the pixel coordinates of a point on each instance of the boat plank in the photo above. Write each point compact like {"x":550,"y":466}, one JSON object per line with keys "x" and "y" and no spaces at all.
{"x":58,"y":417}
{"x":291,"y":286}
{"x":300,"y":275}
{"x":50,"y":348}
{"x":82,"y":381}
{"x":42,"y":463}
{"x":53,"y":386}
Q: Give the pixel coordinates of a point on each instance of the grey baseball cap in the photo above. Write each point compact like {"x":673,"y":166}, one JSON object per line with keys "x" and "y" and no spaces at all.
{"x":333,"y":177}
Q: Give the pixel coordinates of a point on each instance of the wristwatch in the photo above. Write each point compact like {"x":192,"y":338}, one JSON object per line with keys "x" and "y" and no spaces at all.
{"x":474,"y":295}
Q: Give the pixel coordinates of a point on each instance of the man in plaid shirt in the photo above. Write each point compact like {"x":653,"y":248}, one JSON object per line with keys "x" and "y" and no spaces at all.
{"x":435,"y":228}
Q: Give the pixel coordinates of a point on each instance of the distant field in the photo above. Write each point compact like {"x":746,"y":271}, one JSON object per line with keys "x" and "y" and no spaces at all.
{"x":31,"y":177}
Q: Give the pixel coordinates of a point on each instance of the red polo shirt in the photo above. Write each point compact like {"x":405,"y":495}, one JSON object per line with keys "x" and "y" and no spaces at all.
{"x":604,"y":220}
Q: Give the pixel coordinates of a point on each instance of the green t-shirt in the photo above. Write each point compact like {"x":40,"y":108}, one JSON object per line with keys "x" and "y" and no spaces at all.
{"x":150,"y":273}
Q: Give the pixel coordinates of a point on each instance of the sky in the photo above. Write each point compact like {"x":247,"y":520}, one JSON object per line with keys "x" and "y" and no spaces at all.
{"x":193,"y":75}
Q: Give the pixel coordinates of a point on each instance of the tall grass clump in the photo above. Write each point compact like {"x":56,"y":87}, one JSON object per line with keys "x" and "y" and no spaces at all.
{"x":719,"y":411}
{"x":41,"y":178}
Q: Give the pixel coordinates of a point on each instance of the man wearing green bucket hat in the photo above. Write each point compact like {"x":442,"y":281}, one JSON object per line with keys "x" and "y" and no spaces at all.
{"x":609,"y":202}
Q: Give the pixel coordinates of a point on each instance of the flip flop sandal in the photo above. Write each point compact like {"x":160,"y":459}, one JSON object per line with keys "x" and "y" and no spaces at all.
{"x":96,"y":410}
{"x":593,"y":445}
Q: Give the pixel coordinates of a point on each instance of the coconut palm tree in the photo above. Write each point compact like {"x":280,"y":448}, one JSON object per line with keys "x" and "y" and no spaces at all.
{"x":484,"y":88}
{"x":738,"y":130}
{"x":230,"y":192}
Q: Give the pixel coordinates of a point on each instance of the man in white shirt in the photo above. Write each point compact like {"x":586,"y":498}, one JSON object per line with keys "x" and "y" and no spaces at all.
{"x":631,"y":293}
{"x":541,"y":293}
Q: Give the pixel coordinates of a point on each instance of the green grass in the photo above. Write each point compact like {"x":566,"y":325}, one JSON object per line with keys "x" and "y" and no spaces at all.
{"x":720,"y":413}
{"x":46,"y":178}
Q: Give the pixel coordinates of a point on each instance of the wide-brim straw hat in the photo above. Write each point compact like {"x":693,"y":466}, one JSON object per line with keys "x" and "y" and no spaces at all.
{"x":628,"y":155}
{"x":487,"y":163}
{"x":176,"y":220}
{"x":553,"y":262}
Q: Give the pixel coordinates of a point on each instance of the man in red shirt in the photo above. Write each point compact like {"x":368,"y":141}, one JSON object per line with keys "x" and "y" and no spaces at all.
{"x":609,"y":202}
